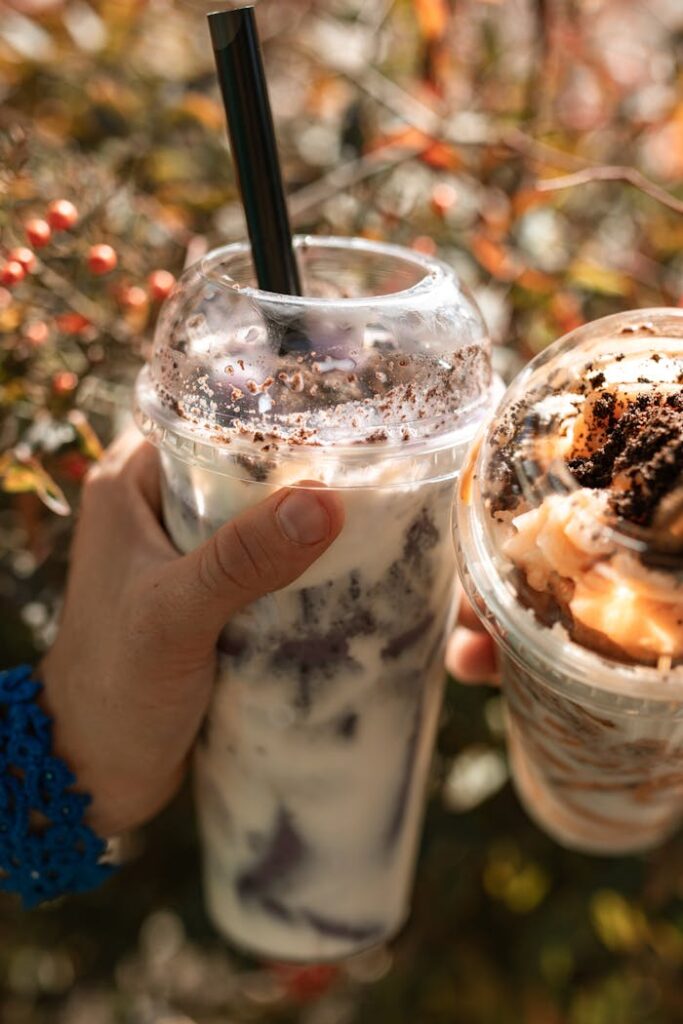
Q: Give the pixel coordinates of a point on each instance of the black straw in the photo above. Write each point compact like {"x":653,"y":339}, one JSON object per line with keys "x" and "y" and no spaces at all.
{"x":252,"y":139}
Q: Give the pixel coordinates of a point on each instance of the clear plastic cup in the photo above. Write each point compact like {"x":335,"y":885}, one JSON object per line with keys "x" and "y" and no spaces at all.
{"x":312,"y":766}
{"x":570,"y":538}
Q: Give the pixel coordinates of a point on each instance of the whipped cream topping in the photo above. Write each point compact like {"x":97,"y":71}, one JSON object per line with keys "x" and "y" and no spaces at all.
{"x":586,"y":487}
{"x":605,"y":589}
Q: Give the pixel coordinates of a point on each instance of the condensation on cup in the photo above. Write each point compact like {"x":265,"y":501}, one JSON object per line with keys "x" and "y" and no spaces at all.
{"x":312,"y":766}
{"x":570,"y":535}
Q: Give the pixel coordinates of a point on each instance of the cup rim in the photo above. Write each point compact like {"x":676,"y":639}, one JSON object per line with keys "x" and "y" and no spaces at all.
{"x":437,"y":282}
{"x":435,"y":273}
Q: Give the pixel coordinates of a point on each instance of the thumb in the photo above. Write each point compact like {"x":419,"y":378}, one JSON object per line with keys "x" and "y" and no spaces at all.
{"x":263,"y":549}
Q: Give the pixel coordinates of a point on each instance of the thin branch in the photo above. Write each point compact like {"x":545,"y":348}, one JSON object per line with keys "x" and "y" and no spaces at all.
{"x":539,"y":151}
{"x":628,"y":175}
{"x":413,"y":111}
{"x":544,"y":59}
{"x":416,"y":114}
{"x":60,"y":285}
{"x":429,"y":121}
{"x":380,"y":88}
{"x":344,"y":177}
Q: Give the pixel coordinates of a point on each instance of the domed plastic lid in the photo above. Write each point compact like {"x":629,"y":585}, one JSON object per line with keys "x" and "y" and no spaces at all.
{"x":573,"y":505}
{"x":386,"y":346}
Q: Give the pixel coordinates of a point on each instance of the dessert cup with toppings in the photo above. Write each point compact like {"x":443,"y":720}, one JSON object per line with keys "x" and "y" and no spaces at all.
{"x":570,"y":535}
{"x":312,"y":766}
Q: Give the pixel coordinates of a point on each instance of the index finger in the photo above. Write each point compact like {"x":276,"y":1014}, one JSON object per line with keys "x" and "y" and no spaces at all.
{"x":468,"y":618}
{"x":131,"y":457}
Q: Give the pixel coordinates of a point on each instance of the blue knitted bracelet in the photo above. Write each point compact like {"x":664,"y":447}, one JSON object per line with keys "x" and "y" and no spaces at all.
{"x":45,"y":848}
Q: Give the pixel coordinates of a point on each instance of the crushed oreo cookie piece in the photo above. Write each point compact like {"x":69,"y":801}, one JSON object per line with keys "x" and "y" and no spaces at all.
{"x":641,"y":459}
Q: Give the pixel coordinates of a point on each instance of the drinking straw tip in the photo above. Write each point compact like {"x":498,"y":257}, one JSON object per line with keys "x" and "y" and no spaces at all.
{"x":224,"y":24}
{"x":237,"y":50}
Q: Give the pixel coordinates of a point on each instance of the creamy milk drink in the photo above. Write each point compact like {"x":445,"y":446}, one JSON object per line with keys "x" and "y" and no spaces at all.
{"x":570,"y":527}
{"x":312,"y":765}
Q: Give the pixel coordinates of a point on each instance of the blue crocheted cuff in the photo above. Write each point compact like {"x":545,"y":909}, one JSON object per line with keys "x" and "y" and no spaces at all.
{"x":45,"y":848}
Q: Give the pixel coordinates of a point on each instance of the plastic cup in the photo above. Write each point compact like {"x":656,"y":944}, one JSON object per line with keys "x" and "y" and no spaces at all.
{"x":312,"y":766}
{"x":576,"y":569}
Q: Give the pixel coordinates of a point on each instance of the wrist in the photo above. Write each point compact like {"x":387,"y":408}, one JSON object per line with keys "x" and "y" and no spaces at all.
{"x":83,"y":739}
{"x":73,"y":746}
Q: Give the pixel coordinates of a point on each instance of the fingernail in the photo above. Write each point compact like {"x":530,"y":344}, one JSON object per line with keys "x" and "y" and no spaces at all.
{"x":302,"y":518}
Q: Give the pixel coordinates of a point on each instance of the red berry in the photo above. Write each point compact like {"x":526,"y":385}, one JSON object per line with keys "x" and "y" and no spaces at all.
{"x":62,"y":215}
{"x":25,"y":256}
{"x":12,"y":273}
{"x":424,"y":244}
{"x":64,"y":382}
{"x":133,"y":297}
{"x":306,"y":983}
{"x":38,"y":232}
{"x":102,"y":259}
{"x":72,"y":323}
{"x":444,"y":198}
{"x":74,"y":466}
{"x":160,"y":283}
{"x":37,"y":332}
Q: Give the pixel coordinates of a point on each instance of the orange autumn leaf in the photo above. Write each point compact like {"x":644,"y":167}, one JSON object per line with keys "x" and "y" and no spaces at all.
{"x":537,"y":281}
{"x":328,"y":95}
{"x":494,"y":257}
{"x":567,"y":311}
{"x":440,"y":155}
{"x":400,"y":138}
{"x":528,"y":198}
{"x":372,"y":234}
{"x":432,"y":18}
{"x":204,"y":109}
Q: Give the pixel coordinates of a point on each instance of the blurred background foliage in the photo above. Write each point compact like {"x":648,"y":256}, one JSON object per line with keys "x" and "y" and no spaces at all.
{"x":537,"y":145}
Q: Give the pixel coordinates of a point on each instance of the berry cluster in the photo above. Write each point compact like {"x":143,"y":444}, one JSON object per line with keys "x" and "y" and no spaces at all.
{"x":66,"y":293}
{"x":61,"y":215}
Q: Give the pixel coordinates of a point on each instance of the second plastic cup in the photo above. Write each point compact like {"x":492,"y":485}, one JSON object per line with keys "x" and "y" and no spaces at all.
{"x":312,"y":767}
{"x":570,"y":533}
